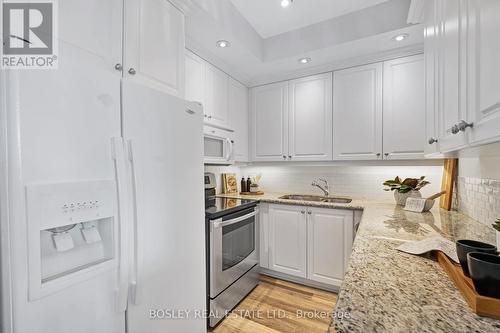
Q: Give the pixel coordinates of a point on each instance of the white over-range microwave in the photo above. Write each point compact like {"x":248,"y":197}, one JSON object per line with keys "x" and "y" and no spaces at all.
{"x":219,"y":146}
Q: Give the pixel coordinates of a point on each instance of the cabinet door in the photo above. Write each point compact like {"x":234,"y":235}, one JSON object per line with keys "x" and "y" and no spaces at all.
{"x":154,"y":44}
{"x":357,"y":113}
{"x":431,"y":78}
{"x":195,"y":78}
{"x":329,"y":244}
{"x":238,"y":116}
{"x":484,"y":64}
{"x":310,"y":118}
{"x":287,"y":239}
{"x":404,"y":108}
{"x":264,"y":235}
{"x":216,"y":83}
{"x":269,"y":113}
{"x":451,"y":109}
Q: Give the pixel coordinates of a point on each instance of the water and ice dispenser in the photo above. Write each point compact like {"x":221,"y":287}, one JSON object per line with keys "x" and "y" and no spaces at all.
{"x":72,"y":231}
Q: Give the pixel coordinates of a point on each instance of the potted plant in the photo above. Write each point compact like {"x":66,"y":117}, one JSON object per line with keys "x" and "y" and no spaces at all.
{"x":496,"y":225}
{"x":408,"y":188}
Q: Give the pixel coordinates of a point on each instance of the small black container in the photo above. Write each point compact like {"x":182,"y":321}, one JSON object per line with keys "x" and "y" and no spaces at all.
{"x":243,"y":185}
{"x":484,"y":270}
{"x":465,"y":246}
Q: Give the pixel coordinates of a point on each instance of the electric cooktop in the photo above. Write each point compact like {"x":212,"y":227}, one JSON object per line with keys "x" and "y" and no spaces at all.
{"x":216,"y":207}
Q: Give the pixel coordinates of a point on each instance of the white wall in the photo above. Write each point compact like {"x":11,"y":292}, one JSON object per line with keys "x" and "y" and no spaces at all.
{"x":482,"y":162}
{"x":361,"y":180}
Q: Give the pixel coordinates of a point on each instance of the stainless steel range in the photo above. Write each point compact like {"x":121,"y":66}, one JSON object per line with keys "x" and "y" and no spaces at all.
{"x":232,"y":250}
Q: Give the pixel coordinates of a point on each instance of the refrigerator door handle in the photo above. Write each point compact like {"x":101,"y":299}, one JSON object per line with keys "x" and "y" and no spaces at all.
{"x":118,"y":153}
{"x":135,"y":278}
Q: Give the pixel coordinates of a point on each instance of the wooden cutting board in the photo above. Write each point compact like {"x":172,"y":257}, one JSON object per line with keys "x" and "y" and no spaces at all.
{"x":481,"y":305}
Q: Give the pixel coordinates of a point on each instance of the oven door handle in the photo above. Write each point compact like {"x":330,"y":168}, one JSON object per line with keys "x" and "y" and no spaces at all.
{"x":219,"y":223}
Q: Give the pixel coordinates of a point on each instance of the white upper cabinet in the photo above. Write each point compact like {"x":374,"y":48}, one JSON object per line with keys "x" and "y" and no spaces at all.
{"x":404,"y":108}
{"x":292,"y":120}
{"x":431,"y":30}
{"x":195,"y":78}
{"x":154,"y":44}
{"x":451,"y":110}
{"x":238,"y":118}
{"x":216,"y":85}
{"x":269,"y":118}
{"x":357,"y":113}
{"x":209,"y":86}
{"x":310,"y":118}
{"x":462,"y":73}
{"x":484,"y":70}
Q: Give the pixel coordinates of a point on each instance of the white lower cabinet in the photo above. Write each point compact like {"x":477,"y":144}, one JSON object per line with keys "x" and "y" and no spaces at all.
{"x":310,"y":243}
{"x":329,"y":244}
{"x":287,"y":240}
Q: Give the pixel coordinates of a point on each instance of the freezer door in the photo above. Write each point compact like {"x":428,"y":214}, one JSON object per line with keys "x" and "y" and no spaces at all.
{"x":58,"y":125}
{"x":165,"y":148}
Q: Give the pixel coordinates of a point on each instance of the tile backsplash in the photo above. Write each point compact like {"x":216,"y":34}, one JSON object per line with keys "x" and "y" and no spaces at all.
{"x":359,"y":181}
{"x":478,"y":198}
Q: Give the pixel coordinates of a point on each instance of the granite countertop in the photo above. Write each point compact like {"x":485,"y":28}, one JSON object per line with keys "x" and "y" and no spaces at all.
{"x":385,"y":290}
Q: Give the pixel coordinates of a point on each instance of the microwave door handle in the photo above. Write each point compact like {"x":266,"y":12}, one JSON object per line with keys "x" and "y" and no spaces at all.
{"x":219,"y":223}
{"x":135,"y":281}
{"x":232,"y":149}
{"x":229,"y":149}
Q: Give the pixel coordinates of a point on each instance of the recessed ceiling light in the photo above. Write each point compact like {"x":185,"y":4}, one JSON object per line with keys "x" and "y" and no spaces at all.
{"x":400,"y":38}
{"x":304,"y":60}
{"x":286,"y":3}
{"x":223,"y":43}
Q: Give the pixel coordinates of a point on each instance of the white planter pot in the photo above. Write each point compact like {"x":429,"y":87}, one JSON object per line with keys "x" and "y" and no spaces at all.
{"x":401,"y":197}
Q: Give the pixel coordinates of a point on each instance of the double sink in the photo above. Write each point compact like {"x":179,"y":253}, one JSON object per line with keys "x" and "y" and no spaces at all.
{"x":316,"y":198}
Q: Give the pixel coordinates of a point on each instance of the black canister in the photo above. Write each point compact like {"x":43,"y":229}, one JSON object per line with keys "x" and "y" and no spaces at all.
{"x":249,"y":182}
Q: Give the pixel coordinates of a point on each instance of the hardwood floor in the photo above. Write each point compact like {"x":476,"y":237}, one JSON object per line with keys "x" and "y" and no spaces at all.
{"x":277,"y":306}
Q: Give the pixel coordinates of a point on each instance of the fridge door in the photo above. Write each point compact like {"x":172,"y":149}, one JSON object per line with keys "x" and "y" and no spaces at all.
{"x":165,"y":147}
{"x":58,"y":127}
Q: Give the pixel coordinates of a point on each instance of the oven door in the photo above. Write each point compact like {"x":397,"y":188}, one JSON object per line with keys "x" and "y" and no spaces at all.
{"x":233,"y":248}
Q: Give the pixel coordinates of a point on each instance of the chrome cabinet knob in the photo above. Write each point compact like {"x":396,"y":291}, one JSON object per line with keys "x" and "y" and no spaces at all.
{"x":432,"y":141}
{"x":309,"y":212}
{"x":455,"y":129}
{"x":463,"y":125}
{"x":290,"y":156}
{"x":209,"y":117}
{"x":302,"y":211}
{"x":284,"y":157}
{"x":119,"y":67}
{"x":386,"y":154}
{"x":378,"y":154}
{"x":132,"y":71}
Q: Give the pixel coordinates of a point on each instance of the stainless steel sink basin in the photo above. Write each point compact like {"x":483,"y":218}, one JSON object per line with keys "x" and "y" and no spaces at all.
{"x":316,"y":198}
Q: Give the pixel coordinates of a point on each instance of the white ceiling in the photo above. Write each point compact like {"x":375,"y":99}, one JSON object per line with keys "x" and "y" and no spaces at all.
{"x":268,"y":18}
{"x":355,"y":38}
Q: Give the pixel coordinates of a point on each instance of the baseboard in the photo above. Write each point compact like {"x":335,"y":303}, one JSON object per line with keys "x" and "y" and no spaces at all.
{"x":299,"y":280}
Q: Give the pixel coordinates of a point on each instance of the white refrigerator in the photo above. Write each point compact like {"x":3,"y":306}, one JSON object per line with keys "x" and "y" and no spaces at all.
{"x":101,"y":203}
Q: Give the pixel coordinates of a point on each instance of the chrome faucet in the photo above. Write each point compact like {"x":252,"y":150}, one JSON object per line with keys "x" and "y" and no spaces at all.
{"x":325,"y":188}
